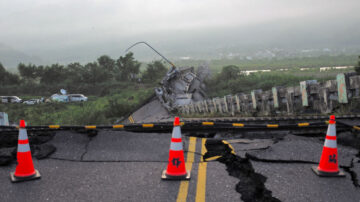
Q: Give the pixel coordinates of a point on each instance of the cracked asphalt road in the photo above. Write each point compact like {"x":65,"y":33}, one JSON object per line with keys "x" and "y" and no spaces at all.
{"x":115,"y":166}
{"x":124,"y":166}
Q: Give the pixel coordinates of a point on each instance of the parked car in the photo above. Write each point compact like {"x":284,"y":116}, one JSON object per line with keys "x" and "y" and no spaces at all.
{"x":10,"y":99}
{"x":60,"y":98}
{"x":77,"y":98}
{"x":32,"y":101}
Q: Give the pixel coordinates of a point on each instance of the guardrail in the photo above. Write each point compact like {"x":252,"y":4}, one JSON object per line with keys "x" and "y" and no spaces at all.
{"x":310,"y":97}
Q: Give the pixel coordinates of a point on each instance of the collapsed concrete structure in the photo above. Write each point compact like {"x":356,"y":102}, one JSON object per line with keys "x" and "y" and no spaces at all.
{"x":182,"y":86}
{"x":179,"y":87}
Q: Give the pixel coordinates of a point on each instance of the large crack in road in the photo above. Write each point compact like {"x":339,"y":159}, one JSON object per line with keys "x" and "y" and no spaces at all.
{"x":251,"y":185}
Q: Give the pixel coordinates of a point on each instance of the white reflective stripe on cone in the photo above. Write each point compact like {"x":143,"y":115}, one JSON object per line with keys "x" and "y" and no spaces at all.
{"x":176,"y":132}
{"x":176,"y":146}
{"x":330,"y":143}
{"x":331,"y":130}
{"x":23,"y":148}
{"x":23,"y":134}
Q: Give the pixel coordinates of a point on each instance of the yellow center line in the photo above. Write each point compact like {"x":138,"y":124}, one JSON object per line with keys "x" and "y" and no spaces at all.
{"x":201,"y":182}
{"x":230,"y":146}
{"x":184,"y":185}
{"x":212,"y":158}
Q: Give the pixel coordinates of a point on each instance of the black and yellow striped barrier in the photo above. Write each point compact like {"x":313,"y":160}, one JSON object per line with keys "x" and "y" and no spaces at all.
{"x":303,"y":124}
{"x":272,"y":125}
{"x":118,"y":126}
{"x":188,"y":126}
{"x":241,"y":125}
{"x":356,"y":127}
{"x":147,"y":125}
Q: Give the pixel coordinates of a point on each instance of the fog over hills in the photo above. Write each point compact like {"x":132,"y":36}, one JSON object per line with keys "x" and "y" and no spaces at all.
{"x":10,"y":57}
{"x":64,"y":32}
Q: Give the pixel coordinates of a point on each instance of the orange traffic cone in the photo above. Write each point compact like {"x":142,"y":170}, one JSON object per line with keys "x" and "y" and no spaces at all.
{"x":328,"y":166}
{"x":25,"y":168}
{"x":176,"y":166}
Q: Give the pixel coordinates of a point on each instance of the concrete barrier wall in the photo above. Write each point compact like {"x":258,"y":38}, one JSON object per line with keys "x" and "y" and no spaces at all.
{"x":309,"y":97}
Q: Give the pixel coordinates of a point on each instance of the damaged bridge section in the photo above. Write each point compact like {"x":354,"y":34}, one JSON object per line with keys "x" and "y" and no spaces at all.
{"x":182,"y":87}
{"x":179,"y":87}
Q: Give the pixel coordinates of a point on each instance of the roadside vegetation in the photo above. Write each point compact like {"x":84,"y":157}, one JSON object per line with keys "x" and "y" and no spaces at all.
{"x":117,"y":87}
{"x":114,"y":88}
{"x":99,"y":110}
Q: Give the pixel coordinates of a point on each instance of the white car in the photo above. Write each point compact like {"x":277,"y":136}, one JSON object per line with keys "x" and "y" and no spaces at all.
{"x":77,"y":98}
{"x":59,"y":98}
{"x":10,"y":99}
{"x":32,"y":101}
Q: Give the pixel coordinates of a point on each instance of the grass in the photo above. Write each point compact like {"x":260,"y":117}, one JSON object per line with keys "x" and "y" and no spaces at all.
{"x":98,"y":110}
{"x":289,"y":63}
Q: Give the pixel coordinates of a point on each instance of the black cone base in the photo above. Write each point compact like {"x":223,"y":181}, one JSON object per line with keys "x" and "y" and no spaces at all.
{"x":164,"y":176}
{"x":21,"y":179}
{"x":325,"y":174}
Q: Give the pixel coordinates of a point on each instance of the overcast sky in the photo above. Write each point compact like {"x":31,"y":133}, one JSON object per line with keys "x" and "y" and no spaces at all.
{"x":40,"y":26}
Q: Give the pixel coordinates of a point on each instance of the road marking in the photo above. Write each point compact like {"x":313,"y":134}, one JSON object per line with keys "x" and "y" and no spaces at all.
{"x":184,"y":185}
{"x":131,"y":119}
{"x":212,"y":158}
{"x":201,"y":181}
{"x":230,"y":146}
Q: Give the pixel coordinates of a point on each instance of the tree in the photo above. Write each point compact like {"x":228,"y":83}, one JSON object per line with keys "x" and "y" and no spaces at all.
{"x":8,"y":78}
{"x":154,"y":72}
{"x":127,"y":68}
{"x":106,"y":63}
{"x":357,"y":67}
{"x":28,"y":72}
{"x":75,"y":74}
{"x":230,"y":72}
{"x":53,"y":74}
{"x":2,"y":72}
{"x":94,"y":74}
